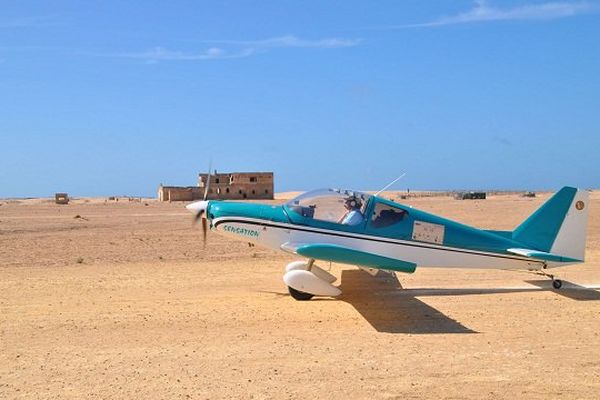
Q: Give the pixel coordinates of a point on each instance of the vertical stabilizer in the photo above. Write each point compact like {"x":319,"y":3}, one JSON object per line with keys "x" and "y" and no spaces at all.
{"x":559,"y":225}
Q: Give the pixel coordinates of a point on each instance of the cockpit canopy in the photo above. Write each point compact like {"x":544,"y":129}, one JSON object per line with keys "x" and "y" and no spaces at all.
{"x":331,"y":205}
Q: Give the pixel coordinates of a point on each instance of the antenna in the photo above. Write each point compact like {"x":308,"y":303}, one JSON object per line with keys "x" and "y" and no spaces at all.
{"x":391,"y":183}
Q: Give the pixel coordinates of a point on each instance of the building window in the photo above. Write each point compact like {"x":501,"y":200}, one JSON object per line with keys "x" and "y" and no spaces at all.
{"x":240,"y":191}
{"x":252,"y":179}
{"x":218,"y":190}
{"x":216,"y":180}
{"x":253,"y":191}
{"x":226,"y":190}
{"x":266,"y":191}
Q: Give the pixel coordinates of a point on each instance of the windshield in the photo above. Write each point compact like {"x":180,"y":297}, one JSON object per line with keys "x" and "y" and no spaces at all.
{"x":332,"y":205}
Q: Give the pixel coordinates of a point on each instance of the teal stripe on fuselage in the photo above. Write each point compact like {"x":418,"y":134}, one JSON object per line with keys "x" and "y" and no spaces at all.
{"x":504,"y":234}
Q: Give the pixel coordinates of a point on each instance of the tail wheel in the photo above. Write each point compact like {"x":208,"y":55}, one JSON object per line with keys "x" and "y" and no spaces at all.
{"x":556,"y":283}
{"x":298,"y":295}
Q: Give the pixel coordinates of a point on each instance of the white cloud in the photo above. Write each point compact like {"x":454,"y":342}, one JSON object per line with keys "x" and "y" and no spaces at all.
{"x":482,"y":12}
{"x":229,"y":49}
{"x":161,"y":54}
{"x":291,"y":41}
{"x":29,"y":22}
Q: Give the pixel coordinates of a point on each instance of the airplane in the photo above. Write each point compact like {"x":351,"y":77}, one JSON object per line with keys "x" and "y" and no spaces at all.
{"x":374,"y":233}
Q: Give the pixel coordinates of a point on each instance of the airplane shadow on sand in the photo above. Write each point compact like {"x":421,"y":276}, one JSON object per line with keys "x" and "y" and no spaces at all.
{"x":569,"y":289}
{"x":388,"y":307}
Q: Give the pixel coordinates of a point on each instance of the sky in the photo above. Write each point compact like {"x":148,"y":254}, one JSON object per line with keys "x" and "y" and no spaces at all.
{"x":115,"y":98}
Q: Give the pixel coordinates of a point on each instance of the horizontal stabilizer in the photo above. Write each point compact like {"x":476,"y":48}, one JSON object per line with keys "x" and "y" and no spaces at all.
{"x":541,"y":255}
{"x":346,"y":255}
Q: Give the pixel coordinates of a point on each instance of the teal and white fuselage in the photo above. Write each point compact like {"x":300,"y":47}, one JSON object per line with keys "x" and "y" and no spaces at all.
{"x":397,"y":237}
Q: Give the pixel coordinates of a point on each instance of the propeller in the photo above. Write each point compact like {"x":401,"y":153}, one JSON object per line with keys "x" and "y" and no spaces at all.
{"x":207,"y":182}
{"x":199,"y":208}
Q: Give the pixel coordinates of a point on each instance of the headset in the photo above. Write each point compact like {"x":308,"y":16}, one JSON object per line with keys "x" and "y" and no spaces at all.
{"x":352,"y":202}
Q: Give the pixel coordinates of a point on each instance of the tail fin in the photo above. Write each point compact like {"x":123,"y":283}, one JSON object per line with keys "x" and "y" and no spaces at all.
{"x":559,"y":225}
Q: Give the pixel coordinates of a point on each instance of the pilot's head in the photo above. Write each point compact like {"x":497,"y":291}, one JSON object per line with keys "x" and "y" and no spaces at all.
{"x":352,"y":203}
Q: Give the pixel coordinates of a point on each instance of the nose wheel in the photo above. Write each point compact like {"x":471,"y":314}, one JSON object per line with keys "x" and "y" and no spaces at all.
{"x":298,"y":295}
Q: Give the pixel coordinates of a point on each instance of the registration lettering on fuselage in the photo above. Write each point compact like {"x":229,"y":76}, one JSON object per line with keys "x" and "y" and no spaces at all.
{"x":427,"y":232}
{"x":241,"y":231}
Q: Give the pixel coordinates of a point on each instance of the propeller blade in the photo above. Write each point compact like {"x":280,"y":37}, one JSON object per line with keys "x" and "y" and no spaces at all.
{"x":198,"y":216}
{"x":199,"y":209}
{"x":204,"y":228}
{"x":207,"y":182}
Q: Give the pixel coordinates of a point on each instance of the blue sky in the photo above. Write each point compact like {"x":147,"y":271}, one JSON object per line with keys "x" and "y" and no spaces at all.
{"x":116,"y":97}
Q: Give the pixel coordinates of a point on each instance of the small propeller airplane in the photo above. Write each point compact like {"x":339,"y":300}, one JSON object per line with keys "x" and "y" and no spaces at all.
{"x":356,"y":228}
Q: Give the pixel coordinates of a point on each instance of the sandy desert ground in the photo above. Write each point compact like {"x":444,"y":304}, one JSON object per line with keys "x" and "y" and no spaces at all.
{"x":120,"y":300}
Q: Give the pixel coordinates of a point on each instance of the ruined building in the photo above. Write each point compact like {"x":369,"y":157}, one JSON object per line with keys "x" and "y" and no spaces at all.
{"x":223,"y":186}
{"x":238,"y":185}
{"x":179,"y":193}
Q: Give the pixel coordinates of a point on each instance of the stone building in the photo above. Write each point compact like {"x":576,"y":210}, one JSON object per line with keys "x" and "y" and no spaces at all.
{"x":223,"y":186}
{"x":238,"y":185}
{"x":179,"y":193}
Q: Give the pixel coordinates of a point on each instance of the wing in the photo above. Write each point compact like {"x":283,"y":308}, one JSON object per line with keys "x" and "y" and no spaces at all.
{"x":346,"y":255}
{"x":541,"y":255}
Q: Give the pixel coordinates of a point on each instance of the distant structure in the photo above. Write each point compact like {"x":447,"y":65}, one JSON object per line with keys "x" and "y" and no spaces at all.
{"x":61,"y":198}
{"x":223,"y":186}
{"x":238,"y":185}
{"x":179,"y":193}
{"x":470,"y":196}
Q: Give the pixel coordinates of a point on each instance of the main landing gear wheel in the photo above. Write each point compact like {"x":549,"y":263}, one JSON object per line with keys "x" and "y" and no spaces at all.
{"x":298,"y":295}
{"x":556,"y":283}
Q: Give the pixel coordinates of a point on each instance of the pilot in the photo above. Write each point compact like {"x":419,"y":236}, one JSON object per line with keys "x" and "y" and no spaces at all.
{"x":353,"y":216}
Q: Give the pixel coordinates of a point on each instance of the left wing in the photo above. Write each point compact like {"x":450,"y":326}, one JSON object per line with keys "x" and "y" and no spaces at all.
{"x":346,"y":255}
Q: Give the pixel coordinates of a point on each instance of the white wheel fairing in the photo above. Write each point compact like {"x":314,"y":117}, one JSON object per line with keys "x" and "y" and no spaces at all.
{"x":294,"y":265}
{"x":308,"y":282}
{"x":315,"y":269}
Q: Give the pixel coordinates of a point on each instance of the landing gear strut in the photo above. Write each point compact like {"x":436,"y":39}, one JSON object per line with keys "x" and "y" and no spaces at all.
{"x":556,"y":283}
